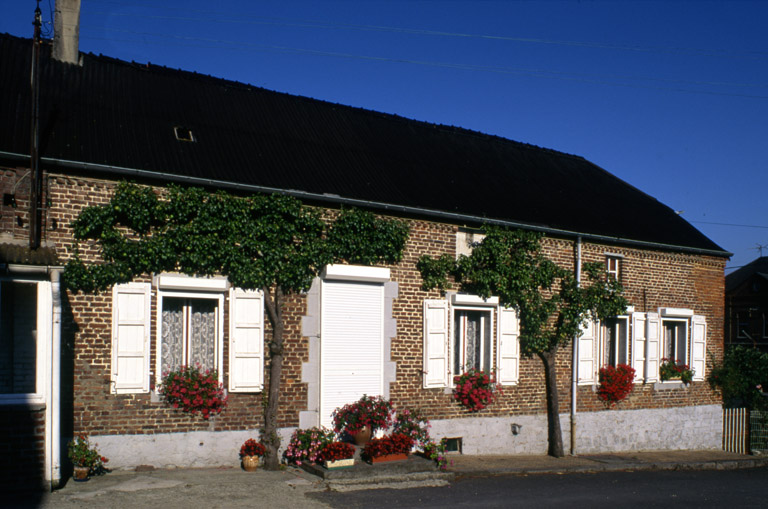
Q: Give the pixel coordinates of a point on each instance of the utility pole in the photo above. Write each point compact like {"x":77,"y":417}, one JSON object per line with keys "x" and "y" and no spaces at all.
{"x":34,"y":156}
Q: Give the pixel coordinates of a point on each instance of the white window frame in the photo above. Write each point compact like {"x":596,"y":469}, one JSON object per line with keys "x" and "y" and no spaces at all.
{"x":490,"y":311}
{"x":44,"y":304}
{"x":687,"y":342}
{"x":613,"y":271}
{"x":219,"y":342}
{"x":603,"y":349}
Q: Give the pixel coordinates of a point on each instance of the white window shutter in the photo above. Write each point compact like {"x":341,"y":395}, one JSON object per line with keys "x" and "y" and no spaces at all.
{"x":587,"y":368}
{"x":508,"y":347}
{"x":246,"y":340}
{"x":638,"y":345}
{"x":130,"y":338}
{"x":652,"y":347}
{"x":436,"y":361}
{"x":698,"y":346}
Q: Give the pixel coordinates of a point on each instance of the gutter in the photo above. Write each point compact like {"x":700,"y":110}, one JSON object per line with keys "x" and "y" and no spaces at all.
{"x":575,"y":358}
{"x":334,"y":198}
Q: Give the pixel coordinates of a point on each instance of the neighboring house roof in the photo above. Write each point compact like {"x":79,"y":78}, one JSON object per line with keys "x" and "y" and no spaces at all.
{"x":113,"y":115}
{"x":738,"y":277}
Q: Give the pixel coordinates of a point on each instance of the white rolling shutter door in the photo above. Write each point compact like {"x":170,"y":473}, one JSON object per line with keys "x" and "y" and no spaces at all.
{"x":351,"y":344}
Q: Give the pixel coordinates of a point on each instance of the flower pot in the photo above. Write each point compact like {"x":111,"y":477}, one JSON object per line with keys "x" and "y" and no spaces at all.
{"x":363,"y":436}
{"x":390,"y":457}
{"x":345,"y":463}
{"x":250,"y":463}
{"x":80,"y":474}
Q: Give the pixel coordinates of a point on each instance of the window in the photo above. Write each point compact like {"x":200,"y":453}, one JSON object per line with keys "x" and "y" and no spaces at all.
{"x":675,"y":340}
{"x":613,"y":265}
{"x":472,"y":340}
{"x":18,"y":337}
{"x":25,"y":308}
{"x":465,"y":332}
{"x":615,"y":341}
{"x":189,"y":332}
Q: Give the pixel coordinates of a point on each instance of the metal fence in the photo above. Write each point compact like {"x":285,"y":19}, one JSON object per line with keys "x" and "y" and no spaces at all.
{"x":744,"y":430}
{"x":736,"y":430}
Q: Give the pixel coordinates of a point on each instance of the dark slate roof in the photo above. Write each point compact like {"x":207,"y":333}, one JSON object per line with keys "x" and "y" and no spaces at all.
{"x":114,"y":113}
{"x":737,"y":278}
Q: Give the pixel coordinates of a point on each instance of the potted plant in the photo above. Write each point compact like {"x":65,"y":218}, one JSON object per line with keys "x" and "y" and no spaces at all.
{"x":361,"y":418}
{"x":307,"y":444}
{"x":250,"y":452}
{"x":338,"y":455}
{"x":85,"y":459}
{"x":412,"y":423}
{"x":436,"y":452}
{"x":393,"y":447}
{"x":194,"y":391}
{"x":475,"y":389}
{"x":675,"y":370}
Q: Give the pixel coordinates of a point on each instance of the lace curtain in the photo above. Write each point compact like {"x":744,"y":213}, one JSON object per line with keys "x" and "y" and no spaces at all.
{"x":200,"y":338}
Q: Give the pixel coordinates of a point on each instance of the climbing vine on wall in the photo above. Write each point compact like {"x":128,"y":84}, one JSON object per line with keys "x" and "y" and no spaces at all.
{"x":274,"y":243}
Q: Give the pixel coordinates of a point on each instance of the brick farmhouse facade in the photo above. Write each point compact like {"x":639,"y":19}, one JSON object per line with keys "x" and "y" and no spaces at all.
{"x":415,"y":340}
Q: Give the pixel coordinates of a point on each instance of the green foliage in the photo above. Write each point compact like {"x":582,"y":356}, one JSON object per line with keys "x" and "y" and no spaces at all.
{"x":741,"y":378}
{"x":257,"y":242}
{"x":510,"y":264}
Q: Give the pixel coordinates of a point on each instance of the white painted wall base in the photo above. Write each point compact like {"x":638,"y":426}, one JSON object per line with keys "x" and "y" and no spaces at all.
{"x":698,"y":427}
{"x":171,"y":450}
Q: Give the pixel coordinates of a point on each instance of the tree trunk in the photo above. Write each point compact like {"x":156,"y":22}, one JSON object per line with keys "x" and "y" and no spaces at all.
{"x":269,"y":437}
{"x":554,"y":433}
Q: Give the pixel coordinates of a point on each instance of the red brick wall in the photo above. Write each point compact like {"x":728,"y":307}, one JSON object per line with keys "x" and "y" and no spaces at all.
{"x":652,"y":279}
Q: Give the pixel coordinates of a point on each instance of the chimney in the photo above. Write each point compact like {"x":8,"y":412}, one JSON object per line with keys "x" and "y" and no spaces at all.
{"x":66,"y":31}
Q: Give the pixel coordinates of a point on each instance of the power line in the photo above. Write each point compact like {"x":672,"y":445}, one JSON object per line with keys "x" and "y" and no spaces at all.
{"x":731,"y":224}
{"x":538,"y":73}
{"x":754,"y":55}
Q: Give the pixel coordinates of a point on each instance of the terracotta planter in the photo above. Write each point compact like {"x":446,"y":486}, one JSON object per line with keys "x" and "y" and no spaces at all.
{"x":363,"y":436}
{"x":80,"y":474}
{"x":250,"y":463}
{"x":345,"y":463}
{"x":390,"y":457}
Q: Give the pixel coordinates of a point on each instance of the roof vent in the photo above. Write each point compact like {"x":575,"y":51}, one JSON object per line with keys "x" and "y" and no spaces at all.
{"x":184,"y":134}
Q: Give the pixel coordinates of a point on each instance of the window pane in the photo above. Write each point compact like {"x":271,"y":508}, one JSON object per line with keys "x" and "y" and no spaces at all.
{"x":18,"y":337}
{"x":172,"y":342}
{"x":675,"y":347}
{"x":622,"y":338}
{"x":472,"y":340}
{"x":202,"y":348}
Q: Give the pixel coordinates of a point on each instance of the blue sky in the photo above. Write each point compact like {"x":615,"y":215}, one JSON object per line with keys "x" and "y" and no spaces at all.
{"x":672,"y":97}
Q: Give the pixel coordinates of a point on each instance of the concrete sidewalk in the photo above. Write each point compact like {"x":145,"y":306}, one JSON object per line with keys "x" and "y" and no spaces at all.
{"x":231,"y":487}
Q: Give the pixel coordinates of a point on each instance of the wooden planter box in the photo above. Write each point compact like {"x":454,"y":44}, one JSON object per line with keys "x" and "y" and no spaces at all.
{"x":334,"y":465}
{"x":390,"y":457}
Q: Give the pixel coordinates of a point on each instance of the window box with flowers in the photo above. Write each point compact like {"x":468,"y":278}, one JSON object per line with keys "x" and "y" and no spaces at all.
{"x":675,"y":370}
{"x":394,"y":447}
{"x":250,"y":452}
{"x":85,"y":459}
{"x":475,"y":389}
{"x":360,"y":419}
{"x":194,"y":391}
{"x":616,"y":382}
{"x":338,"y":455}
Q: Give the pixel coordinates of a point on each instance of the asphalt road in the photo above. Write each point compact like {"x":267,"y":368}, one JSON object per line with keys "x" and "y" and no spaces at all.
{"x":707,"y":488}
